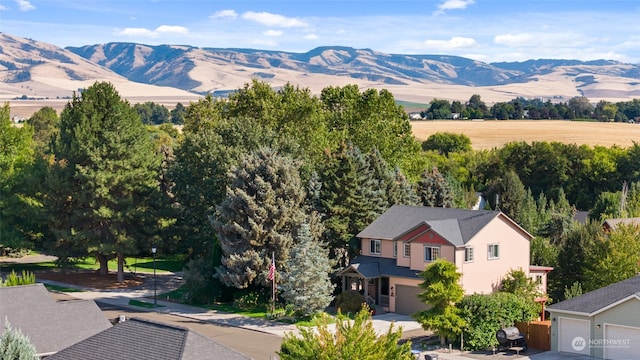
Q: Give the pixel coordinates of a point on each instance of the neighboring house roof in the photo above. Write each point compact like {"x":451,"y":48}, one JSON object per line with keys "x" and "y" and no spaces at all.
{"x":581,"y":216}
{"x":613,"y":223}
{"x":601,"y":299}
{"x":372,"y":267}
{"x":50,"y":325}
{"x":142,"y":339}
{"x":458,"y":226}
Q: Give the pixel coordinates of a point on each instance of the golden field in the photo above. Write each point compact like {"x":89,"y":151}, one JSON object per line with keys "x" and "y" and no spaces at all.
{"x":495,"y":133}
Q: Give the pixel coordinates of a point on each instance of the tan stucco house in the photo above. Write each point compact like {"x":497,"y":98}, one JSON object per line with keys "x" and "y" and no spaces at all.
{"x":396,"y":247}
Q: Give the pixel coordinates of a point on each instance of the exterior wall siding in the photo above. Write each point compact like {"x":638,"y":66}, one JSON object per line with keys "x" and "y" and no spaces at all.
{"x":484,"y":275}
{"x":626,"y":314}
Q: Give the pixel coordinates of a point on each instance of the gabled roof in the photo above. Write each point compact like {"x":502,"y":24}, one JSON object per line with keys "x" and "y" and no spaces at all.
{"x":372,"y":267}
{"x":50,"y":325}
{"x":142,"y":339}
{"x":613,"y":223}
{"x":461,"y":224}
{"x":601,"y":299}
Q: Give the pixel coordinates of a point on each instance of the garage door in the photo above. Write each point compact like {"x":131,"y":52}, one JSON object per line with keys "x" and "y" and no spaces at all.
{"x":573,"y":335}
{"x":407,"y":301}
{"x":621,"y":342}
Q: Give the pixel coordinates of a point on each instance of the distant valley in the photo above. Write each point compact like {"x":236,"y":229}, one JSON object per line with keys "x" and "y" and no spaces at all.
{"x":171,"y":73}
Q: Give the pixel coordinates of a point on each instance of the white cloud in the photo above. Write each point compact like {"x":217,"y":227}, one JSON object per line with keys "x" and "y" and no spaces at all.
{"x":272,"y":33}
{"x":454,"y":5}
{"x":311,"y":37}
{"x":550,"y":40}
{"x":224,"y":14}
{"x":160,"y":30}
{"x":172,"y":29}
{"x":270,"y":19}
{"x":3,"y":8}
{"x":453,"y":43}
{"x":25,"y":5}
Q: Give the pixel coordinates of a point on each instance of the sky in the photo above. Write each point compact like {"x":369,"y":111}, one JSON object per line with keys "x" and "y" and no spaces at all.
{"x":484,"y":30}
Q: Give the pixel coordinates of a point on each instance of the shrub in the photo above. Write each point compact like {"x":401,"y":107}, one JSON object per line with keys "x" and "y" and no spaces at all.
{"x":486,"y":314}
{"x":15,"y":345}
{"x":355,"y":339}
{"x":349,"y":301}
{"x":247,"y":301}
{"x":14,"y":279}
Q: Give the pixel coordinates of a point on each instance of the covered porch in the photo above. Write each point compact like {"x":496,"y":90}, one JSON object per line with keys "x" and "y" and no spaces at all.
{"x":366,"y":279}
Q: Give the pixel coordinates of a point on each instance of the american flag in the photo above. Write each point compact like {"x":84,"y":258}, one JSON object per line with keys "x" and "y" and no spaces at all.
{"x":272,"y":268}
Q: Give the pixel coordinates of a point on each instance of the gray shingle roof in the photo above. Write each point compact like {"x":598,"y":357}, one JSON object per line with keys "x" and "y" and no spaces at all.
{"x":147,"y":340}
{"x":456,"y":225}
{"x":594,"y":301}
{"x":50,"y":325}
{"x":371,"y":267}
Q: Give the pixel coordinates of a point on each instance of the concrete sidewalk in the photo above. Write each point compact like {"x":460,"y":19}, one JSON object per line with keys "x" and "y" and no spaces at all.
{"x":121,"y":298}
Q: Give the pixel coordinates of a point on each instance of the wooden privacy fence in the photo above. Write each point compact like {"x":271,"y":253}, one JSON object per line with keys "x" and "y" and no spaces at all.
{"x":537,"y":334}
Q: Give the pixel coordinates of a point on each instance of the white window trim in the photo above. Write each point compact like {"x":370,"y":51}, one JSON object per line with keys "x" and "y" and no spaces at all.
{"x":371,"y":246}
{"x":490,"y":255}
{"x":471,"y":252}
{"x":424,"y":253}
{"x":406,"y":246}
{"x":395,"y":248}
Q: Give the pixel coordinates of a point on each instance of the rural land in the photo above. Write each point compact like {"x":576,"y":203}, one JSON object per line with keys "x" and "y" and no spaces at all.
{"x":243,"y":203}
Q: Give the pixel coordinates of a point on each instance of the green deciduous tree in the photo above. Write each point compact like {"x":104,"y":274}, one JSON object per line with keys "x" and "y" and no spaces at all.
{"x":442,"y":290}
{"x":16,"y":161}
{"x":306,"y":285}
{"x":45,"y":126}
{"x":613,"y":257}
{"x":446,"y":143}
{"x":355,"y":339}
{"x":105,"y":173}
{"x":263,"y":209}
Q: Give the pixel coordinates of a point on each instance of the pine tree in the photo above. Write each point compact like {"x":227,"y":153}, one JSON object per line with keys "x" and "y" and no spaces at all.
{"x":263,"y":208}
{"x":306,"y":285}
{"x":395,"y":186}
{"x":351,"y":199}
{"x":434,"y":189}
{"x":105,"y":173}
{"x":14,"y":345}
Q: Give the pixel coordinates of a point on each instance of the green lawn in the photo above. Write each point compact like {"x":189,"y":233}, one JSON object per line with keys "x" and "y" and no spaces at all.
{"x":145,"y":264}
{"x":61,"y":288}
{"x":143,"y":304}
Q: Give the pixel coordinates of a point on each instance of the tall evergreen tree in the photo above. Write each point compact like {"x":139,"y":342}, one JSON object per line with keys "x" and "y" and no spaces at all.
{"x":434,"y":189}
{"x":395,"y":187}
{"x":106,"y":170}
{"x":263,"y":209}
{"x":351,"y":198}
{"x":306,"y":285}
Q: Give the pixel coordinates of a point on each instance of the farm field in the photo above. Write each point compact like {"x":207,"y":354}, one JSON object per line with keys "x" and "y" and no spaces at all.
{"x":495,"y":133}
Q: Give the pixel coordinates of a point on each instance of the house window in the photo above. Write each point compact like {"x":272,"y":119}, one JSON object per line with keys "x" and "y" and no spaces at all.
{"x":375,"y":247}
{"x":494,"y":251}
{"x":407,"y":250}
{"x":431,"y":253}
{"x":468,"y":254}
{"x":395,"y":248}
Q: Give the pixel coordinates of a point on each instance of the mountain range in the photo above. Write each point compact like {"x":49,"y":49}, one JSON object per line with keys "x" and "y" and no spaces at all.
{"x":37,"y":69}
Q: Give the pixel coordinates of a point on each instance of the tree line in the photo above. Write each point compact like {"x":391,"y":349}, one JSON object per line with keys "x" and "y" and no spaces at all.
{"x":280,"y":173}
{"x":579,"y":107}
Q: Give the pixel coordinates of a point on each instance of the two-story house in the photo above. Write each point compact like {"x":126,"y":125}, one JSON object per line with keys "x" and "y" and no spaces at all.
{"x":396,"y":247}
